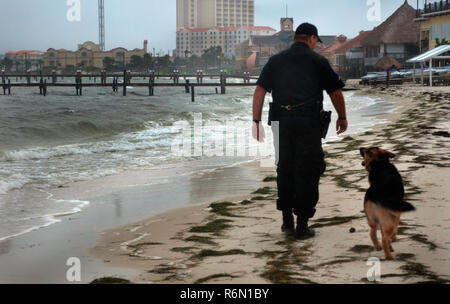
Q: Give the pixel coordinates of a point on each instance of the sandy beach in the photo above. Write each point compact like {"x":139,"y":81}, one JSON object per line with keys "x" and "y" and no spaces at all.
{"x":238,"y":239}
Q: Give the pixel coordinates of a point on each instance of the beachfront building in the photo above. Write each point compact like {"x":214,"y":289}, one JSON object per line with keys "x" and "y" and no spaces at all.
{"x":397,"y":36}
{"x":194,"y":41}
{"x":27,"y":60}
{"x":434,"y":21}
{"x":329,"y":52}
{"x":254,"y":52}
{"x":215,"y":13}
{"x":89,"y":56}
{"x":346,"y":56}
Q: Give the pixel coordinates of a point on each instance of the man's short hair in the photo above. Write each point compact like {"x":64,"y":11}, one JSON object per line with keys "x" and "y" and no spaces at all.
{"x":302,"y":37}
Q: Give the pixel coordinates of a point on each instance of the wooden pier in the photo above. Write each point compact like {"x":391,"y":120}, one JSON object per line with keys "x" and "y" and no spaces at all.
{"x":51,"y":80}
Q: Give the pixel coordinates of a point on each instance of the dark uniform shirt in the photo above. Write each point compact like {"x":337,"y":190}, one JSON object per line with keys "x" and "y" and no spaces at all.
{"x":297,"y":75}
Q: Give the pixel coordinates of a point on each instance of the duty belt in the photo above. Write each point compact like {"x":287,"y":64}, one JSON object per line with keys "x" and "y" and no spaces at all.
{"x":292,"y":107}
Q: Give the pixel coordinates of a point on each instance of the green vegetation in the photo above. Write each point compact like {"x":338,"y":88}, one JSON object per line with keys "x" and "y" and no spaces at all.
{"x":183,"y":249}
{"x":362,"y":248}
{"x":265,"y":190}
{"x":201,"y":239}
{"x":110,"y":280}
{"x":333,"y":221}
{"x":270,"y":179}
{"x":258,"y":198}
{"x":211,"y":253}
{"x":214,"y":276}
{"x":215,"y":226}
{"x":222,"y":209}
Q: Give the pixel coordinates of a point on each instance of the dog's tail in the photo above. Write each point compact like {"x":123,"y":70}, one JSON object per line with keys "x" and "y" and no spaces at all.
{"x":403,"y":206}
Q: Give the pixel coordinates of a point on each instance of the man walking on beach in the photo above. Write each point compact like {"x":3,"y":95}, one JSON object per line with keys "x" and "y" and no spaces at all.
{"x":297,"y":78}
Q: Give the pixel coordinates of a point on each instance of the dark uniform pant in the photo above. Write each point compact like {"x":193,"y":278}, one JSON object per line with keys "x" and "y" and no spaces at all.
{"x":300,"y":165}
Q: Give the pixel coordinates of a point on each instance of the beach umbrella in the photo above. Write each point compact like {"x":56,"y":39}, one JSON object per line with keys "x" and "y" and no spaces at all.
{"x":386,"y":63}
{"x":251,"y":61}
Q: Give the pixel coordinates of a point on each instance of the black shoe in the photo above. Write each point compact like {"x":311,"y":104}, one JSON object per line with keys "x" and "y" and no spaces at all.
{"x":288,"y":223}
{"x":303,"y":232}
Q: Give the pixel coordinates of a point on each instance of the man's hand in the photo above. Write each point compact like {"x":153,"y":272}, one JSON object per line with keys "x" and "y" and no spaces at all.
{"x":258,"y":132}
{"x":339,"y":104}
{"x":341,"y":126}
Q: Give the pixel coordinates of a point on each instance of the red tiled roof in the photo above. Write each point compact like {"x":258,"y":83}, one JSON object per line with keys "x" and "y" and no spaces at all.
{"x":227,"y":29}
{"x":25,"y":52}
{"x":332,"y":48}
{"x":259,"y":28}
{"x":344,"y":48}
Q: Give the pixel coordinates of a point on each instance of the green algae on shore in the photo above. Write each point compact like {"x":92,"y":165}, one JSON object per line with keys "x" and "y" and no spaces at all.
{"x":110,"y":280}
{"x":215,"y":226}
{"x":214,"y":276}
{"x":201,"y":239}
{"x":211,"y":253}
{"x":222,"y":209}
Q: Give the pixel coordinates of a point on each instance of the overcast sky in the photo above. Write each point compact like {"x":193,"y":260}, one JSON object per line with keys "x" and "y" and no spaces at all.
{"x":41,"y":24}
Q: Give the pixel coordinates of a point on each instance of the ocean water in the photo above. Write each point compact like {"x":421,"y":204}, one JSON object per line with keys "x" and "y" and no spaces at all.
{"x":53,"y":141}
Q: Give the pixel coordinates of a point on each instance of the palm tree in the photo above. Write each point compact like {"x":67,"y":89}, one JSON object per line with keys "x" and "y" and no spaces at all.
{"x":443,"y":42}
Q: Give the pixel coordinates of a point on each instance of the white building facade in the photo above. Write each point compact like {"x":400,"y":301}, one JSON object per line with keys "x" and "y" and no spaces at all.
{"x":210,"y":13}
{"x":194,"y":41}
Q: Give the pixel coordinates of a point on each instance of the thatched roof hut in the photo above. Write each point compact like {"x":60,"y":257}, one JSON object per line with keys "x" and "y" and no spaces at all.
{"x":399,"y":28}
{"x":386,"y":63}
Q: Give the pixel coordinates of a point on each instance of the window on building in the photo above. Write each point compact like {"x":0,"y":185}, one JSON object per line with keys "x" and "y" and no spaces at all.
{"x":446,"y":31}
{"x":435,"y":32}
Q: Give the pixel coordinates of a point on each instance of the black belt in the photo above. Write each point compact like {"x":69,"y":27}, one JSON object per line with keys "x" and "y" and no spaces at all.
{"x":292,"y":107}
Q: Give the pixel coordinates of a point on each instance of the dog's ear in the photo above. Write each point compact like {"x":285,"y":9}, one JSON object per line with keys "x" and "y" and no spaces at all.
{"x":386,"y":153}
{"x":362,"y":150}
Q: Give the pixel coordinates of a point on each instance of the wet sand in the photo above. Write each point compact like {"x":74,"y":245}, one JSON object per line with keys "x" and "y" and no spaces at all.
{"x":238,"y":239}
{"x":40,"y":256}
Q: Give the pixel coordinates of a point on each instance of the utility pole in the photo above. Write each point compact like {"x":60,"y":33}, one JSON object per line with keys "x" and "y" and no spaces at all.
{"x":101,"y":24}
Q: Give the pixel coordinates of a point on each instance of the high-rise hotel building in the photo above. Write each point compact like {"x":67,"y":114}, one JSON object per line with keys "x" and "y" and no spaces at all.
{"x":212,"y":13}
{"x":202,"y":24}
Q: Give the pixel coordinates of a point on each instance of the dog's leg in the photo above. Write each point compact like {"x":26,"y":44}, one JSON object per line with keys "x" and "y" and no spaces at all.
{"x":386,"y":241}
{"x":373,"y":236}
{"x":394,"y":236}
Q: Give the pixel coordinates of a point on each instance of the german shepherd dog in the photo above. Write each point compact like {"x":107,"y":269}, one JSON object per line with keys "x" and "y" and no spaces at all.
{"x":383,"y":202}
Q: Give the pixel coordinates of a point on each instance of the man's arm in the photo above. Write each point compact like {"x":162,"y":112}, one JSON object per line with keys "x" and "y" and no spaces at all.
{"x":339,"y":104}
{"x":258,"y":102}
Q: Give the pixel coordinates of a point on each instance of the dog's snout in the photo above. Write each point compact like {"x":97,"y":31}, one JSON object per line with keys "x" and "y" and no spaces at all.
{"x":363,"y":164}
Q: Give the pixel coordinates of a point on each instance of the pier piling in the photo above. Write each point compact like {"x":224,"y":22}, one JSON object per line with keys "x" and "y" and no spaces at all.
{"x":54,"y":79}
{"x":78,"y":84}
{"x":223,"y":82}
{"x":151,"y":86}
{"x":186,"y":86}
{"x":44,"y":89}
{"x":124,"y":82}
